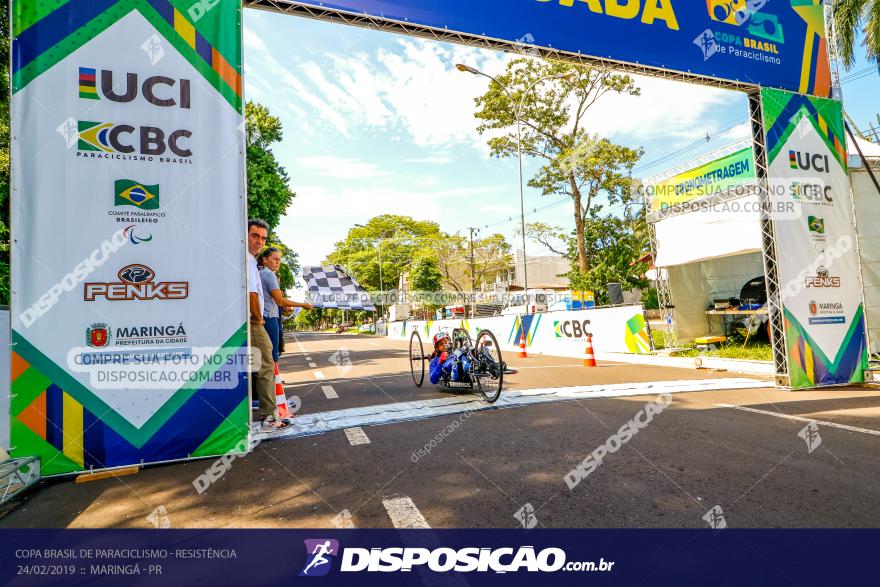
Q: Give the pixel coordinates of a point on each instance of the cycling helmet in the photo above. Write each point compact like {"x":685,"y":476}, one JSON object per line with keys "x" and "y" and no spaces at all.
{"x":440,"y":336}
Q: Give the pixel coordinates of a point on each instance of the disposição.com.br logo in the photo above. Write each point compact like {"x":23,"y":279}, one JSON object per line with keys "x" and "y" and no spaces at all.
{"x":321,"y":554}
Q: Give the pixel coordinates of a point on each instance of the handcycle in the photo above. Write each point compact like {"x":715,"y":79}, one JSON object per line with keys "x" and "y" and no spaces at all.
{"x":486,"y":371}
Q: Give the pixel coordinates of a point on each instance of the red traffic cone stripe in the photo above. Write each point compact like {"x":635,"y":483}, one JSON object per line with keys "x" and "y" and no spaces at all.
{"x":280,"y":398}
{"x":589,"y":356}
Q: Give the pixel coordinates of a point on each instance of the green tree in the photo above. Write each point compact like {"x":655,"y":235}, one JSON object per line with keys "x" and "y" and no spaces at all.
{"x":491,"y":258}
{"x":589,"y":169}
{"x":402,"y":241}
{"x":852,"y":17}
{"x":614,"y":245}
{"x":269,"y":193}
{"x":426,"y":277}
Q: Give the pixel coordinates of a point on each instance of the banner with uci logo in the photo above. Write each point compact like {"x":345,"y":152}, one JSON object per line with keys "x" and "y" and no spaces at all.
{"x":778,"y":43}
{"x":816,"y":240}
{"x":128,"y":310}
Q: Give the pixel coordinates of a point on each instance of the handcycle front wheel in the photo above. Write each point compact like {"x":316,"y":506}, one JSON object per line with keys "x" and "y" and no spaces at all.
{"x":416,"y":359}
{"x":490,"y":374}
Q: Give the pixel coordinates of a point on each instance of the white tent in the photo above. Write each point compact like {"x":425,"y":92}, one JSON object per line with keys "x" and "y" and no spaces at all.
{"x":711,"y":252}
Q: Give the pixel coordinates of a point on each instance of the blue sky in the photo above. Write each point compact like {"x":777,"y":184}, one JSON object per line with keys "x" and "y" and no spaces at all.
{"x":379,"y":123}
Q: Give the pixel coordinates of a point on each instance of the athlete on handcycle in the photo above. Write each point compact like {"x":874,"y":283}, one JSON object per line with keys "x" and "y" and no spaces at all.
{"x":453,"y":365}
{"x":459,"y":362}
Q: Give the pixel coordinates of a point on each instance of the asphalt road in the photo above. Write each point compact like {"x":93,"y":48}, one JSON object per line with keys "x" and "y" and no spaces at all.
{"x":737,"y":450}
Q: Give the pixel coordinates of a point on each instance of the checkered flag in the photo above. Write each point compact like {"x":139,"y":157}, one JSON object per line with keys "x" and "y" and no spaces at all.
{"x":331,"y":287}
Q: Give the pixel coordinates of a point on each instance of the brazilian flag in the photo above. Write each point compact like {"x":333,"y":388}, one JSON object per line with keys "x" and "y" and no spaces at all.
{"x":817,"y":225}
{"x":132,"y":193}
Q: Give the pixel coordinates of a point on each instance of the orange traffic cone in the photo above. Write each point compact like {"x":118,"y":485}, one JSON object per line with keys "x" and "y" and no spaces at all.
{"x":280,"y":398}
{"x":522,"y":347}
{"x":589,"y":357}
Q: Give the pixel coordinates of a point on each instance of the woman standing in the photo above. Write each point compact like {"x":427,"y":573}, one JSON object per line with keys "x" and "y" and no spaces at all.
{"x":270,"y":261}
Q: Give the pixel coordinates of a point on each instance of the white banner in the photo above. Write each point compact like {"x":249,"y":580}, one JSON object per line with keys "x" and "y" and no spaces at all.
{"x":129,"y":219}
{"x":816,"y":242}
{"x":561,"y":334}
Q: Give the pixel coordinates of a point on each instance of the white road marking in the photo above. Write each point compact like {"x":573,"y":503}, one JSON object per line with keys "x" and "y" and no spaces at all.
{"x":377,"y":415}
{"x":299,"y":345}
{"x":404,"y":513}
{"x":330,"y":392}
{"x":312,"y":365}
{"x":308,"y":358}
{"x":318,"y":375}
{"x":357,"y":436}
{"x":802,"y":419}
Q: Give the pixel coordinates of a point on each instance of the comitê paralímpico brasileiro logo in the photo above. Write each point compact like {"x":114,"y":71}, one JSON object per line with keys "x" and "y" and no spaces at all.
{"x":131,"y":193}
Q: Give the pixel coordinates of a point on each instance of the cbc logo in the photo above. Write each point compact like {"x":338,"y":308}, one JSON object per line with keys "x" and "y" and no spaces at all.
{"x":572,"y":329}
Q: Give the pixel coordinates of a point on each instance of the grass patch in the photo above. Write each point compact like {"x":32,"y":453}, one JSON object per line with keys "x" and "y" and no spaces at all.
{"x":657,"y":337}
{"x":754,"y":351}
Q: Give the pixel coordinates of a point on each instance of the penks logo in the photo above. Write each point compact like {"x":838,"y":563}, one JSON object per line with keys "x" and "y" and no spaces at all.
{"x":136,"y":282}
{"x":320,"y":554}
{"x":823,"y":279}
{"x":158,"y":90}
{"x":145,"y":141}
{"x":98,"y":335}
{"x":132,"y":193}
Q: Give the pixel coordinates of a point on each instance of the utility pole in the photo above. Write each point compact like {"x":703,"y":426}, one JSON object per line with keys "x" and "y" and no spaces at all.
{"x":473,"y":230}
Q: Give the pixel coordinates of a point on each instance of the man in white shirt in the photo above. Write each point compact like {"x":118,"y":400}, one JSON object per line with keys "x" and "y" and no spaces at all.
{"x":264,"y":383}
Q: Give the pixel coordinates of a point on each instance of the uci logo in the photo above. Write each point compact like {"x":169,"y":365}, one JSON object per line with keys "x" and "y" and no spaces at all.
{"x":158,"y":90}
{"x":809,"y":161}
{"x":572,"y":329}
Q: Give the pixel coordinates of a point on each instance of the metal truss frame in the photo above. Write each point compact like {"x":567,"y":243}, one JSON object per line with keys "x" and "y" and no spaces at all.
{"x":447,"y":36}
{"x":768,"y":237}
{"x":16,"y":475}
{"x":664,"y":296}
{"x":755,"y":112}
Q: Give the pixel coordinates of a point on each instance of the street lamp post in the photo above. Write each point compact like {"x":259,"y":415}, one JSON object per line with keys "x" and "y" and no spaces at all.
{"x":518,"y":113}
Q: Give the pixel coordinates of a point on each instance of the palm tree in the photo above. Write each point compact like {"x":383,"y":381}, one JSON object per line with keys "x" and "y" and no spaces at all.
{"x":850,"y":16}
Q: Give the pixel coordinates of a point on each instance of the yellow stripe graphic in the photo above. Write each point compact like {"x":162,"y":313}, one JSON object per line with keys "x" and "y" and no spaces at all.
{"x":808,"y":359}
{"x":185,"y":29}
{"x":808,"y":60}
{"x":72,"y":433}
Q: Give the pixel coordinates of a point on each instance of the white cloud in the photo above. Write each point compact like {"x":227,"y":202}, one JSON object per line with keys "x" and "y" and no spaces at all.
{"x":341,"y":167}
{"x":676,"y":112}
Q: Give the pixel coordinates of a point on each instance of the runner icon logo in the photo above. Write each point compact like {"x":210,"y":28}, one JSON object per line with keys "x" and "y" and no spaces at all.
{"x":320,"y":554}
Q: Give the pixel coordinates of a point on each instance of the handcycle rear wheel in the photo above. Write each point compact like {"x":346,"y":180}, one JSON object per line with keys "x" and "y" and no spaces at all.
{"x":490,"y":377}
{"x":416,"y":359}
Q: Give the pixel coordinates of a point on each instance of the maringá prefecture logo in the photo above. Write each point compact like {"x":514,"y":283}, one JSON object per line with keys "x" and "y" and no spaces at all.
{"x":131,"y":193}
{"x":98,"y":335}
{"x":320,"y":554}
